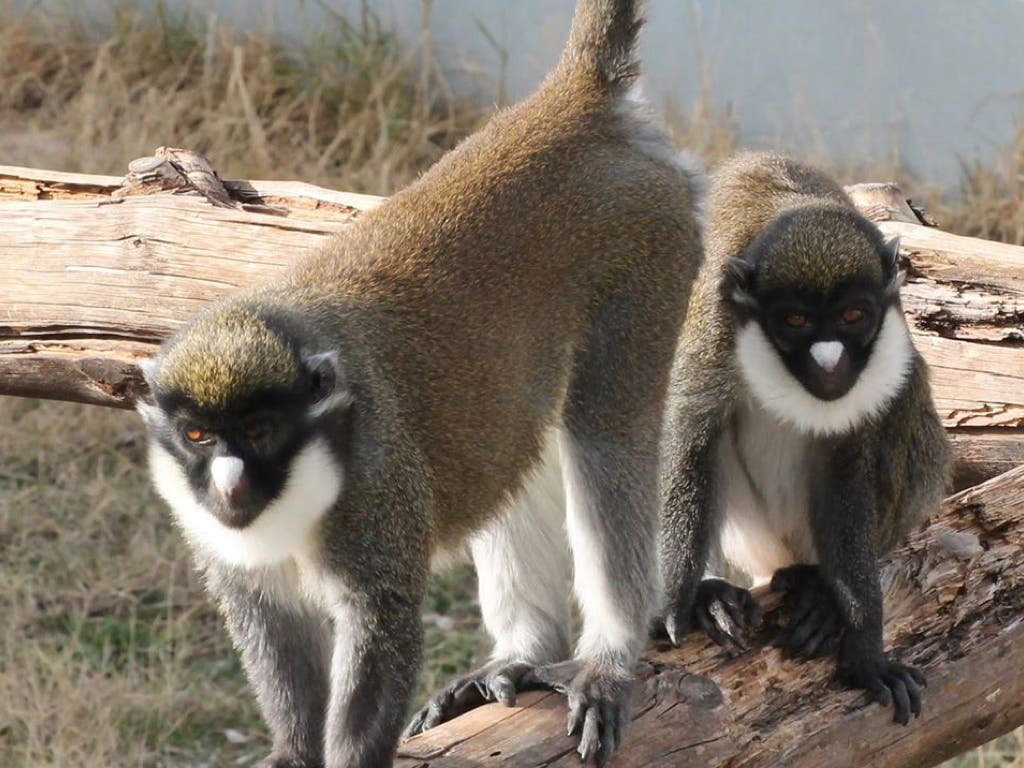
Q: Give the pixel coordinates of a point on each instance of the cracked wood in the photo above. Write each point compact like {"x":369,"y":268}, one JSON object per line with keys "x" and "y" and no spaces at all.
{"x":92,"y":280}
{"x":954,"y":606}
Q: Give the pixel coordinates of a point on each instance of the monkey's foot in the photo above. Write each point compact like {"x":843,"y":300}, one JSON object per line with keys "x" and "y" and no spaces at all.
{"x":497,"y":681}
{"x":815,"y":622}
{"x":885,"y":681}
{"x":721,"y":610}
{"x":598,"y":696}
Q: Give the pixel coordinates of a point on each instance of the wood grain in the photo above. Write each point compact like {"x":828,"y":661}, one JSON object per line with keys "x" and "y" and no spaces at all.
{"x":92,"y":280}
{"x":957,"y":614}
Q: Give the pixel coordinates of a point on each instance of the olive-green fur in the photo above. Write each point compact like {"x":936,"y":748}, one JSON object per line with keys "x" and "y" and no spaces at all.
{"x":816,"y":248}
{"x":226,"y":355}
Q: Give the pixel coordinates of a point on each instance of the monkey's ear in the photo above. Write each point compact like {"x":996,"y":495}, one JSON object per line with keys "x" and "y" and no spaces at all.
{"x":740,"y":281}
{"x":149,"y":366}
{"x":146,"y":404}
{"x":330,"y":390}
{"x":891,"y":264}
{"x":892,"y":253}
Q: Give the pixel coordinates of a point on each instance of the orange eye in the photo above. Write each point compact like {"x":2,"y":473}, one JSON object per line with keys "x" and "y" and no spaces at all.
{"x":257,"y":430}
{"x":852,"y":315}
{"x":197,"y":435}
{"x":796,"y":320}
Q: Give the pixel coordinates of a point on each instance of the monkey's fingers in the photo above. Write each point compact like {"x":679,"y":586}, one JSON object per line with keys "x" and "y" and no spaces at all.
{"x":822,"y":640}
{"x":800,"y":634}
{"x":751,"y":609}
{"x":888,"y":683}
{"x":906,"y":691}
{"x":709,"y":626}
{"x":722,"y":610}
{"x":727,"y":622}
{"x":732,"y":603}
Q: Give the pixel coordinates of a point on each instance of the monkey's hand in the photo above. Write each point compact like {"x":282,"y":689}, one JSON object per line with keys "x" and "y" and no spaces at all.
{"x":815,"y":622}
{"x":721,"y":610}
{"x":497,"y":681}
{"x":599,"y":696}
{"x":862,"y":666}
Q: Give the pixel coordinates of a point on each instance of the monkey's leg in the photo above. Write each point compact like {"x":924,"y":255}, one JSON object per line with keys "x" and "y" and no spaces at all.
{"x":375,"y":664}
{"x":843,"y":515}
{"x":522,"y":563}
{"x":815,"y":620}
{"x":609,"y":449}
{"x":284,"y":652}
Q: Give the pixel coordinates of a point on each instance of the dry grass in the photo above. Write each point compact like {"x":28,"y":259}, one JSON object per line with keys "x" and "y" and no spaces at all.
{"x":349,"y":106}
{"x":110,"y":653}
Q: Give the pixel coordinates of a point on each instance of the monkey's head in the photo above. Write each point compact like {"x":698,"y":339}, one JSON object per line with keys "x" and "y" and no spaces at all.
{"x":821,"y":340}
{"x":242,"y":420}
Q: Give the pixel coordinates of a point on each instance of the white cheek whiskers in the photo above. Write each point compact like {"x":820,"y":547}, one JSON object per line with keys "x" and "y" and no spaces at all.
{"x":781,"y":394}
{"x":281,"y":530}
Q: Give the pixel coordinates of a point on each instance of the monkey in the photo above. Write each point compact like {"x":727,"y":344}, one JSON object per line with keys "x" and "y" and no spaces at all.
{"x":398,"y":394}
{"x":801,"y":441}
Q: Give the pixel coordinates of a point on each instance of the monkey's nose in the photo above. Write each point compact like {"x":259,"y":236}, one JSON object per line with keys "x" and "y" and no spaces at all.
{"x":827,"y":354}
{"x":227,"y":473}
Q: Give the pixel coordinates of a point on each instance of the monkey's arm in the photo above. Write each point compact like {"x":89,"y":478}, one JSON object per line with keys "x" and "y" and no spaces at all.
{"x":284,"y":651}
{"x":695,"y":421}
{"x":844,"y":517}
{"x":375,"y":663}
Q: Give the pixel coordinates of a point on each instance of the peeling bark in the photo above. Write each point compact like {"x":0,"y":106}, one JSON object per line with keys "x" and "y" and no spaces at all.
{"x":954,"y":602}
{"x":96,"y":270}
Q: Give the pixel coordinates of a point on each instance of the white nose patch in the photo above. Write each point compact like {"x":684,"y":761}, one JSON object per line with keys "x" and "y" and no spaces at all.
{"x":226,"y":472}
{"x":827,"y":353}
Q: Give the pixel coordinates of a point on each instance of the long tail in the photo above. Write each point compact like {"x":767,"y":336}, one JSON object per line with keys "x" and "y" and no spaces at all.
{"x":602,"y":42}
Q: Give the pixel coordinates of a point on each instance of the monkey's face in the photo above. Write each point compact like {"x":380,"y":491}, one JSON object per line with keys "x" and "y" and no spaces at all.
{"x":825,"y":342}
{"x":247,"y":470}
{"x":237,"y":461}
{"x":820,"y":337}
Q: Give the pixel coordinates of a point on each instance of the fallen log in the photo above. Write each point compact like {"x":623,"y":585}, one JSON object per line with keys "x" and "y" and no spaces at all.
{"x":96,"y":270}
{"x":954,"y":601}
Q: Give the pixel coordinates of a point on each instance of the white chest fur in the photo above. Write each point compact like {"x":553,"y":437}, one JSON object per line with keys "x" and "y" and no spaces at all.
{"x":281,"y":531}
{"x":764,"y":486}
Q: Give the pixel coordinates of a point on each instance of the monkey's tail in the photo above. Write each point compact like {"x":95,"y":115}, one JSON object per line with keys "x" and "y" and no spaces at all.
{"x":602,"y":42}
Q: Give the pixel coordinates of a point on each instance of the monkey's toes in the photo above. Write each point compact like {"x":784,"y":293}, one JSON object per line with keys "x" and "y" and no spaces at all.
{"x":598,"y":696}
{"x":498,"y":681}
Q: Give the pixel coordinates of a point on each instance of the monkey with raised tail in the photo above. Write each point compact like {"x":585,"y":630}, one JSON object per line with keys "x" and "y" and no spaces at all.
{"x":402,"y":392}
{"x":801,"y":440}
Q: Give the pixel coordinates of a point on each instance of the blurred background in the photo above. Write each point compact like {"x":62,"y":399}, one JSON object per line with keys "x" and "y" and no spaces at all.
{"x":109,"y":652}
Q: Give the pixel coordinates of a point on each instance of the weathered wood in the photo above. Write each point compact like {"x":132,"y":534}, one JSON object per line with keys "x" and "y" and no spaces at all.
{"x":91,"y":280}
{"x":954,"y":606}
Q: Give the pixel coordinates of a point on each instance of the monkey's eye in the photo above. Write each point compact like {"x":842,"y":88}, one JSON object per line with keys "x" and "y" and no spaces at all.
{"x":257,"y":430}
{"x":197,"y":435}
{"x":853,"y":315}
{"x":796,"y":320}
